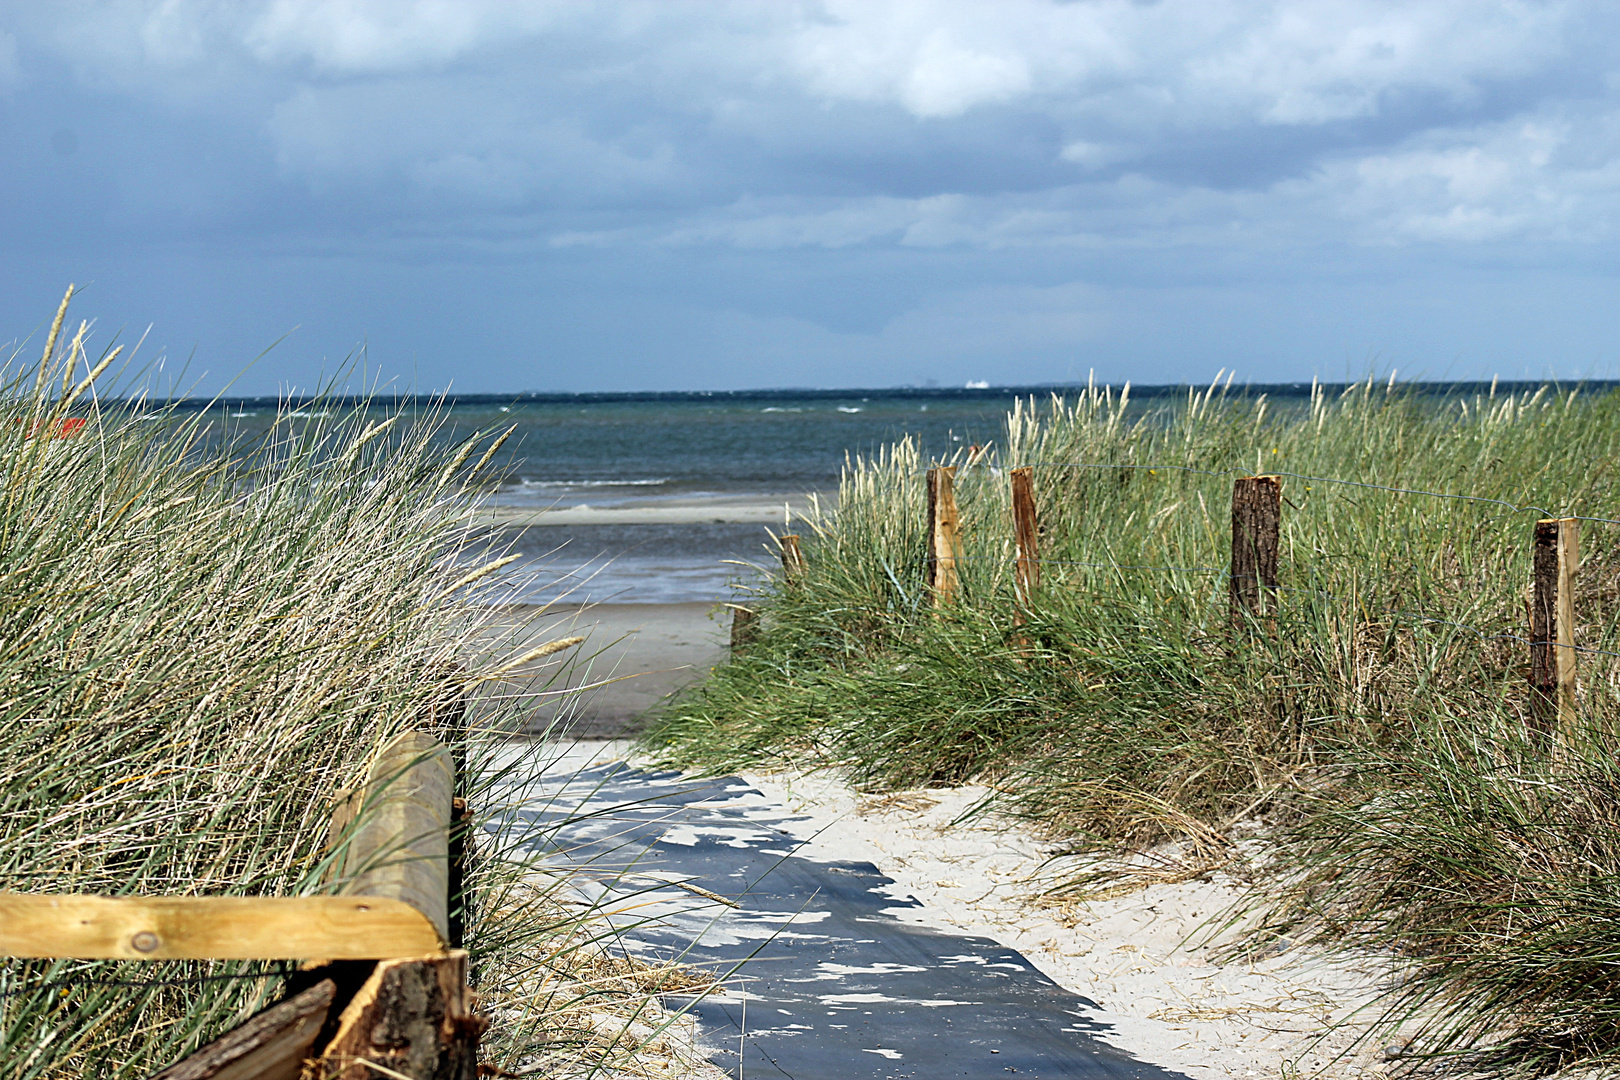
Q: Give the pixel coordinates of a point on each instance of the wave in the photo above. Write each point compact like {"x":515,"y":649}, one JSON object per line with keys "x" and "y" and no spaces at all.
{"x":774,"y":408}
{"x":526,"y":482}
{"x":850,"y":408}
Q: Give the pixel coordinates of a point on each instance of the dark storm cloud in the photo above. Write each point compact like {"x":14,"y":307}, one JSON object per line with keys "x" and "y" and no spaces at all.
{"x":819,"y":192}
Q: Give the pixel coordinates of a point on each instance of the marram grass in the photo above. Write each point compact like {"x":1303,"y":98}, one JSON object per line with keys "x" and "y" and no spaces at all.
{"x":202,"y":639}
{"x":1376,"y":724}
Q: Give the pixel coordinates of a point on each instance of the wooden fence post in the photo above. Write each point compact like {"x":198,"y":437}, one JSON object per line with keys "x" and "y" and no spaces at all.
{"x":406,"y":837}
{"x":411,"y":1018}
{"x":1555,"y":560}
{"x":1256,"y":526}
{"x":1026,"y":538}
{"x":793,"y":565}
{"x":944,"y":540}
{"x":744,"y":628}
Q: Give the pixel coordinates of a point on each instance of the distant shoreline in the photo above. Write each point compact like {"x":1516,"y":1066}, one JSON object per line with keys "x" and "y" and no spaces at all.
{"x":1140,"y":392}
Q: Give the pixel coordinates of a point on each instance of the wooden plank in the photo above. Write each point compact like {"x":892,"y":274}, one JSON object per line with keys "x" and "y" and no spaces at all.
{"x":399,"y":843}
{"x":944,"y":535}
{"x":793,"y":565}
{"x":412,"y":1018}
{"x":1026,"y":537}
{"x":212,"y":927}
{"x":1256,"y":533}
{"x":272,"y":1045}
{"x":1555,"y":561}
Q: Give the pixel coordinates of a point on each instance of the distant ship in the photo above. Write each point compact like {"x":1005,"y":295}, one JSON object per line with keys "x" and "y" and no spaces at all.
{"x":978,"y":384}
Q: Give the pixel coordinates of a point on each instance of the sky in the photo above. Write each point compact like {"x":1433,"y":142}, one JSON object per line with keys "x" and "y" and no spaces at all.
{"x":506,"y":195}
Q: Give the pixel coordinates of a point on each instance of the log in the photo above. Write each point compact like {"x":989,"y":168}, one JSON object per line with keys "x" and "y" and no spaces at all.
{"x":399,"y":844}
{"x":412,"y":1018}
{"x":1555,"y":561}
{"x":272,"y":1045}
{"x":212,"y":927}
{"x":944,"y":536}
{"x":1256,"y":531}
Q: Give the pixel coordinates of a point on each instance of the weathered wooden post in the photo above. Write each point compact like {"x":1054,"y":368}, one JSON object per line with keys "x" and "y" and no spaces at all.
{"x":944,"y":540}
{"x":1256,"y":528}
{"x":413,"y":1016}
{"x":744,"y":628}
{"x":1026,"y":539}
{"x":793,"y":565}
{"x":1555,"y":560}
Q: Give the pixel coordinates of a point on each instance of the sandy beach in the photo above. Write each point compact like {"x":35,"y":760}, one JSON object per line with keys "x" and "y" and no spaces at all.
{"x":634,"y":657}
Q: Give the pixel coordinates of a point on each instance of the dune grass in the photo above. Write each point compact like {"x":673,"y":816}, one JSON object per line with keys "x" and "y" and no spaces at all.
{"x":1378,"y":724}
{"x":202,"y":639}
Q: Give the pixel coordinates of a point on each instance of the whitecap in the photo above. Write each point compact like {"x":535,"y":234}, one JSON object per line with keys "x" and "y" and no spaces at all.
{"x":655,"y":482}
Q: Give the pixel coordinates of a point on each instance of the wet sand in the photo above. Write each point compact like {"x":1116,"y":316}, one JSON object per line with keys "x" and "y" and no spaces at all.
{"x":635,"y":656}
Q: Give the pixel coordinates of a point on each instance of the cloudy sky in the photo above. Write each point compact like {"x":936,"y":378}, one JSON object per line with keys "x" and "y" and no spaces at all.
{"x":505,"y":195}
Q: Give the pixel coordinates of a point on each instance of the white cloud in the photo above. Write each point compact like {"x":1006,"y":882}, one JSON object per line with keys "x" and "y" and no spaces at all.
{"x":764,"y":124}
{"x":372,"y":36}
{"x":1182,"y":61}
{"x":1096,"y":155}
{"x":1511,"y":180}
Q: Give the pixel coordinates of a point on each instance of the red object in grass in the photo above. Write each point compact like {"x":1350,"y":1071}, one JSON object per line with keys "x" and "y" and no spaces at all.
{"x":66,"y":428}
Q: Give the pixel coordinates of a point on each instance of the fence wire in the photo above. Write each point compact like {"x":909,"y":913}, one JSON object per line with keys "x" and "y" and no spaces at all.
{"x":1517,"y":508}
{"x":1405,"y":614}
{"x":1416,"y":616}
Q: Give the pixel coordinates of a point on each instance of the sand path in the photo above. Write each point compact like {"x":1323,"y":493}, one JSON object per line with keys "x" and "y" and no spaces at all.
{"x":1149,"y":959}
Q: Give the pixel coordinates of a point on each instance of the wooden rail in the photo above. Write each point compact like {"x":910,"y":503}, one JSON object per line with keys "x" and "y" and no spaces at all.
{"x":213,"y":927}
{"x":408,"y":1014}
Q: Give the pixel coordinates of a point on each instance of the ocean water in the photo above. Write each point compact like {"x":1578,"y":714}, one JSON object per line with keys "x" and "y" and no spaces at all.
{"x":628,"y":453}
{"x":631,"y":452}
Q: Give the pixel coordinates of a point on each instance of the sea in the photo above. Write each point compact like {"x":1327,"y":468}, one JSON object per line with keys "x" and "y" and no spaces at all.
{"x":626,"y":463}
{"x":625,"y":478}
{"x":631,"y":459}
